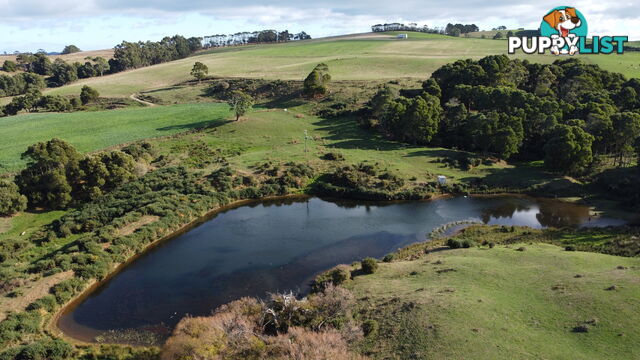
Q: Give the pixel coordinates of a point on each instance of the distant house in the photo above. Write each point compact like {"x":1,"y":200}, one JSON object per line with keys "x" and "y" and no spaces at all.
{"x":442,"y":179}
{"x":403,"y":36}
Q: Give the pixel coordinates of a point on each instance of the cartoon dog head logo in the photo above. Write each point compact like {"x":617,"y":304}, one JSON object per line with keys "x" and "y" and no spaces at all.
{"x":565,"y":22}
{"x":563,"y":31}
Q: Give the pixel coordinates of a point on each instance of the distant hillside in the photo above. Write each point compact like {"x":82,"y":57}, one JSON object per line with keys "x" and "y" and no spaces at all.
{"x":369,"y":56}
{"x":79,"y":56}
{"x":489,"y":34}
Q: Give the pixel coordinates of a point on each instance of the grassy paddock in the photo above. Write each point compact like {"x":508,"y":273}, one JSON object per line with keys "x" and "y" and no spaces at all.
{"x":90,"y":131}
{"x":350,"y":58}
{"x":503,"y":304}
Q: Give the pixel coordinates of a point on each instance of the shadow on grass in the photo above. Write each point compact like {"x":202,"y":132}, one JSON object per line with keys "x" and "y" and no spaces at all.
{"x":518,"y":177}
{"x":168,"y":88}
{"x":436,"y":153}
{"x":285,"y":102}
{"x":208,"y":124}
{"x":346,"y":134}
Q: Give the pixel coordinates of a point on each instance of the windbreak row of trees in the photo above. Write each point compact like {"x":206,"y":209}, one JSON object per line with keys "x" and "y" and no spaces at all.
{"x":57,"y":72}
{"x":457,"y":29}
{"x":406,"y":27}
{"x":450,"y":29}
{"x":133,"y":55}
{"x":35,"y":101}
{"x":39,"y":71}
{"x":255,"y":37}
{"x":20,"y":84}
{"x":565,"y":113}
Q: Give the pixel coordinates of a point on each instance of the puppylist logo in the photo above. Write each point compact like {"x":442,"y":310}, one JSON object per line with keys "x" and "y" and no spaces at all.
{"x":563,"y":31}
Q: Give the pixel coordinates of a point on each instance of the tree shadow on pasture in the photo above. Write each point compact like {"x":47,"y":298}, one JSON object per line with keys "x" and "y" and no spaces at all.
{"x":346,"y":134}
{"x":437,"y":153}
{"x":524,"y":177}
{"x":285,"y":102}
{"x":168,"y":88}
{"x":207,"y":124}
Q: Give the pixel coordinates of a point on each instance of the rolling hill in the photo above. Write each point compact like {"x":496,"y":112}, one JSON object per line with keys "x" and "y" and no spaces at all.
{"x":359,"y":57}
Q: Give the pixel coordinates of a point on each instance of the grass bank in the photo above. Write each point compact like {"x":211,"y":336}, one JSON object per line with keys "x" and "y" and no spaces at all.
{"x":501,"y":303}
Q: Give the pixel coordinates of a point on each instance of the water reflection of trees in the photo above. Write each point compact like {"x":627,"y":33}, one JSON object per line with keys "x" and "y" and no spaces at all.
{"x":550,"y":213}
{"x":559,"y":214}
{"x":504,"y":210}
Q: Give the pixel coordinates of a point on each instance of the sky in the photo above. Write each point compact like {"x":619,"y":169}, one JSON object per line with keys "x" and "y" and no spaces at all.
{"x":29,"y":25}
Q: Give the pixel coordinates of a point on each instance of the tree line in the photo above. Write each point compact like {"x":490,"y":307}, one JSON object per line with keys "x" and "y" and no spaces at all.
{"x":406,"y":27}
{"x":450,"y":29}
{"x":127,"y":55}
{"x":255,"y":37}
{"x":133,"y":55}
{"x":35,"y":101}
{"x":564,"y":113}
{"x":457,"y":29}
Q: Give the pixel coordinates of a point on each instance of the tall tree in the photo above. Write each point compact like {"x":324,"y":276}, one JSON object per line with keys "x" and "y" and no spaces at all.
{"x":626,"y":129}
{"x":100,"y":64}
{"x":63,"y":73}
{"x":568,"y":151}
{"x":240,"y":103}
{"x":420,"y":120}
{"x":70,"y":49}
{"x":41,"y":64}
{"x":199,"y":71}
{"x":52,"y":168}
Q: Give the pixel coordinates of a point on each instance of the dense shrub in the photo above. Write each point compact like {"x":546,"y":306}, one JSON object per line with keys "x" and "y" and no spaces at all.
{"x":9,"y":248}
{"x":334,"y":156}
{"x":336,"y":276}
{"x":11,"y":201}
{"x":47,"y":349}
{"x":388,"y":258}
{"x":17,"y":324}
{"x":140,"y":151}
{"x":222,"y":179}
{"x":454,"y":243}
{"x":47,"y":303}
{"x":66,"y":289}
{"x":370,"y":328}
{"x":467,"y":243}
{"x":88,"y":94}
{"x":367,"y":182}
{"x":119,"y":352}
{"x":316,"y":83}
{"x":369,"y":265}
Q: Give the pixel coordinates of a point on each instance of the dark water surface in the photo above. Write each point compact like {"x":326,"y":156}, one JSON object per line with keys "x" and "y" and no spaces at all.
{"x":281,"y":245}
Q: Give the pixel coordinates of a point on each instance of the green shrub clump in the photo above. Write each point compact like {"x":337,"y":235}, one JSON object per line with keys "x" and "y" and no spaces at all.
{"x":458,"y":244}
{"x":369,"y":265}
{"x":336,"y":276}
{"x":11,"y":201}
{"x":333,"y":156}
{"x":370,"y":328}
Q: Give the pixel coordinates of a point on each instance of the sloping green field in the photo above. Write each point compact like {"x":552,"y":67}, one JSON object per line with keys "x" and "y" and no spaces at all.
{"x":359,"y":57}
{"x":261,"y":135}
{"x":90,"y":131}
{"x":504,"y":304}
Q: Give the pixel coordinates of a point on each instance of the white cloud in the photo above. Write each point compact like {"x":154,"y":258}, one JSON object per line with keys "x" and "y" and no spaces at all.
{"x":64,"y":19}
